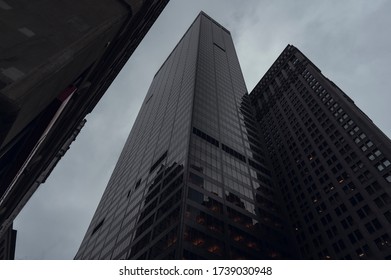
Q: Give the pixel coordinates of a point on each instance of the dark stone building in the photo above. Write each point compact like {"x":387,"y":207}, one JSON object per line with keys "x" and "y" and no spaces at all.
{"x":331,"y":162}
{"x":7,"y":244}
{"x":192,"y":181}
{"x":57,"y":59}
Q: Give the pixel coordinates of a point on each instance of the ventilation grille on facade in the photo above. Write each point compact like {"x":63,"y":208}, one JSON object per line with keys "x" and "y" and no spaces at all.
{"x":158,"y":162}
{"x":233,"y":153}
{"x":206,"y":137}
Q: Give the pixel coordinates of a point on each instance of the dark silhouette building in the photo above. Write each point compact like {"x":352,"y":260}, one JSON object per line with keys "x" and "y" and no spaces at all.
{"x":7,"y":244}
{"x":292,"y":170}
{"x":331,"y":163}
{"x":57,"y":59}
{"x":192,"y":181}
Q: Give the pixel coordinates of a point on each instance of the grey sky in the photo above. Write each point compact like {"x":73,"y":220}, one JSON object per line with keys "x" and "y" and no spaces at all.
{"x":348,"y":40}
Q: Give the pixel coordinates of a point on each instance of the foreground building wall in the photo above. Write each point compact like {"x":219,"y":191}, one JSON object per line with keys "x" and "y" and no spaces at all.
{"x":331,"y":162}
{"x":57,"y":59}
{"x":189,"y":183}
{"x":7,"y":244}
{"x":46,"y":47}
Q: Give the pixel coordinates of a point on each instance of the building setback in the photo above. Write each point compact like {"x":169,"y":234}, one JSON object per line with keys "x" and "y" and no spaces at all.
{"x":57,"y":59}
{"x":191,"y":183}
{"x":293,"y":170}
{"x":331,"y":162}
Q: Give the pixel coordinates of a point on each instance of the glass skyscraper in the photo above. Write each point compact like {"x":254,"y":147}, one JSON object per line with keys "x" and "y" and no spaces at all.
{"x":192,"y":181}
{"x":293,"y":170}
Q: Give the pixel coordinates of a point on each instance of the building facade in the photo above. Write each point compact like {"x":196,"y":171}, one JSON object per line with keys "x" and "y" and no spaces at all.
{"x":293,"y":170}
{"x":8,"y":244}
{"x":192,"y":181}
{"x":57,"y":59}
{"x":331,"y":162}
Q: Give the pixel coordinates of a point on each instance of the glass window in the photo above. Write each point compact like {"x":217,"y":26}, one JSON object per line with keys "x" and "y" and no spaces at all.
{"x":196,"y":180}
{"x":380,"y":167}
{"x":388,"y":216}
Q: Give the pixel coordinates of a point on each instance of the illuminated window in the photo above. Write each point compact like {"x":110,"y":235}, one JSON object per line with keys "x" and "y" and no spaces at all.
{"x":383,"y":242}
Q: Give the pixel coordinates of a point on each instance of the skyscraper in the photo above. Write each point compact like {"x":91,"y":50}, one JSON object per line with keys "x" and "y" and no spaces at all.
{"x":192,"y":181}
{"x":332,"y":163}
{"x":292,"y":170}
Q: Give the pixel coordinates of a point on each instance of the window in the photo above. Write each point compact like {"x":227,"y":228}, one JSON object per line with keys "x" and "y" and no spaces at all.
{"x":380,"y":167}
{"x":364,"y":211}
{"x":383,"y":164}
{"x":160,"y":160}
{"x":341,"y":209}
{"x":204,"y":241}
{"x":344,"y":224}
{"x":196,"y":179}
{"x":339,"y":246}
{"x":386,"y":162}
{"x":373,"y":225}
{"x":388,"y":216}
{"x":233,"y":153}
{"x":347,"y":222}
{"x":363,"y":252}
{"x":376,"y":153}
{"x":349,"y":188}
{"x":374,"y":187}
{"x":357,"y":166}
{"x":369,"y":143}
{"x":382,"y":200}
{"x":206,"y":137}
{"x":383,"y":242}
{"x":354,"y":130}
{"x":356,"y":199}
{"x":355,"y":236}
{"x":370,"y":228}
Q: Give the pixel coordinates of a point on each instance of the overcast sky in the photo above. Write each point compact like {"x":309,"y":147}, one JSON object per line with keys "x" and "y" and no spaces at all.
{"x":348,"y":40}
